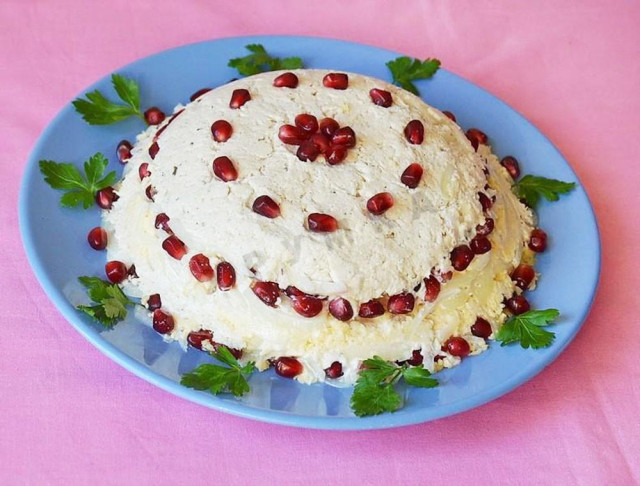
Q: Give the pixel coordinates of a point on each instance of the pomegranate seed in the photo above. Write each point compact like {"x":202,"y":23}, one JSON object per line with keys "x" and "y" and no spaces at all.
{"x":238,"y":98}
{"x":334,"y":371}
{"x":321,"y":141}
{"x":306,"y":305}
{"x":226,"y":275}
{"x":162,"y":222}
{"x":196,"y":338}
{"x":174,"y":247}
{"x":288,"y":367}
{"x":450,"y":116}
{"x":267,"y":207}
{"x":105,"y":197}
{"x":401,"y":303}
{"x":480,"y":245}
{"x":446,"y":276}
{"x":224,"y":170}
{"x":511,"y":164}
{"x":336,"y":154}
{"x":328,"y":126}
{"x":457,"y":346}
{"x":286,"y":80}
{"x":344,"y":136}
{"x":154,"y":116}
{"x":523,"y":275}
{"x":412,"y":175}
{"x":292,"y":292}
{"x":153,"y":150}
{"x":431,"y":289}
{"x":438,"y":357}
{"x":461,"y":257}
{"x":336,"y":81}
{"x":116,"y":271}
{"x":308,"y":151}
{"x":199,"y":93}
{"x":476,"y":137}
{"x":380,"y":203}
{"x":414,"y":132}
{"x":381,"y":97}
{"x":322,"y":223}
{"x":143,"y":170}
{"x":123,"y":150}
{"x":291,"y":135}
{"x":267,"y":292}
{"x":162,"y":322}
{"x":485,"y":201}
{"x":416,"y":358}
{"x":201,"y":268}
{"x":150,"y":191}
{"x":221,"y":130}
{"x":154,"y":302}
{"x":486,"y":228}
{"x":538,"y":240}
{"x":373,"y":308}
{"x":132,"y":272}
{"x":97,"y":238}
{"x":481,"y":328}
{"x":307,"y":123}
{"x":518,"y":304}
{"x":341,"y":309}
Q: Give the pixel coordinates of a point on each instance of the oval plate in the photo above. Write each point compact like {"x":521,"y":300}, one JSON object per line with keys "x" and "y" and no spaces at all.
{"x":55,"y":241}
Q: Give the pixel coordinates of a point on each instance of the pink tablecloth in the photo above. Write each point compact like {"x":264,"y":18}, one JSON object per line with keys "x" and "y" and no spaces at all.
{"x":71,"y":416}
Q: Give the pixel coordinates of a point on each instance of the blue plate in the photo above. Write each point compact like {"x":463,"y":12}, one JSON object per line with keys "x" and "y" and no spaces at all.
{"x":55,"y":239}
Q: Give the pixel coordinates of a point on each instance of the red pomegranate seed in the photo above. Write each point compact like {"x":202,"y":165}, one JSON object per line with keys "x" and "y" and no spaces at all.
{"x":334,"y":371}
{"x":336,"y":81}
{"x":381,"y":97}
{"x":308,"y":151}
{"x":476,"y":137}
{"x":416,"y":358}
{"x":267,"y":292}
{"x":153,"y":150}
{"x":201,"y":268}
{"x":511,"y":164}
{"x":446,"y":276}
{"x":286,"y":80}
{"x":307,"y":123}
{"x":461,"y":257}
{"x":221,"y":130}
{"x":518,"y":304}
{"x":116,"y":271}
{"x":238,"y":98}
{"x":401,"y":303}
{"x":143,"y":170}
{"x":457,"y":346}
{"x":486,"y":228}
{"x":414,"y":132}
{"x":328,"y":126}
{"x":267,"y":207}
{"x":174,"y":247}
{"x":322,"y":223}
{"x":97,"y":238}
{"x":480,"y":245}
{"x":344,"y":136}
{"x":224,"y":170}
{"x":538,"y":240}
{"x":380,"y":203}
{"x":523,"y":275}
{"x":199,"y":93}
{"x":412,"y":175}
{"x":321,"y":141}
{"x":450,"y":116}
{"x":431,"y":289}
{"x":105,"y":197}
{"x":373,"y":308}
{"x":196,"y":338}
{"x":162,"y":322}
{"x":150,"y":192}
{"x":123,"y":150}
{"x":132,"y":272}
{"x":162,"y":222}
{"x":306,"y":305}
{"x":292,"y":292}
{"x":485,"y":201}
{"x":336,"y":154}
{"x":481,"y":328}
{"x":154,"y":116}
{"x":291,"y":135}
{"x":341,"y":309}
{"x":288,"y":367}
{"x":226,"y":275}
{"x":154,"y":302}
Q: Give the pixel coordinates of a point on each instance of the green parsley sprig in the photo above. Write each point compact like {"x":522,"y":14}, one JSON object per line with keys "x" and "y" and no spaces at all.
{"x":98,"y":110}
{"x":260,"y":61}
{"x":527,"y":329}
{"x":375,"y":393}
{"x":220,"y":379}
{"x":110,"y":303}
{"x":405,"y":70}
{"x":531,"y":188}
{"x":80,"y":189}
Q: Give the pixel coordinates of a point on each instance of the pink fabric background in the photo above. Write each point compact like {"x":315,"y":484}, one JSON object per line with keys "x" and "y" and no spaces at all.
{"x":71,"y":416}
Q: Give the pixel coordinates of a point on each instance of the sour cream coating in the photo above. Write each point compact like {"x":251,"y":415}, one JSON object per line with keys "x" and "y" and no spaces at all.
{"x":368,"y":257}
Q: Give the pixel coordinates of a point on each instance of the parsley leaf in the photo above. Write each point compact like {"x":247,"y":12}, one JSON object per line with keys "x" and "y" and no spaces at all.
{"x":530,"y":188}
{"x":527,"y":328}
{"x":260,"y":61}
{"x":81,"y":189}
{"x":405,"y":70}
{"x":98,"y":110}
{"x":219,"y":379}
{"x":111,"y":303}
